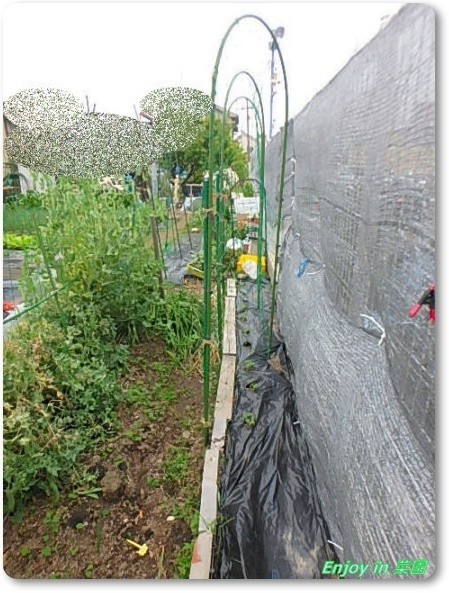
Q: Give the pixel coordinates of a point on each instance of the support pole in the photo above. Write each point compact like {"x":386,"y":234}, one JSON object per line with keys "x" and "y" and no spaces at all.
{"x":207,"y":284}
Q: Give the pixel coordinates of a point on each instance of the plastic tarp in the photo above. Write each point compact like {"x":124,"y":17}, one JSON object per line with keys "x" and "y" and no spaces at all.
{"x":272,"y":523}
{"x":175,"y":265}
{"x":357,"y":252}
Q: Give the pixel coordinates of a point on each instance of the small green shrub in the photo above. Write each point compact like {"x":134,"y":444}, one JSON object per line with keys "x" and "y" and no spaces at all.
{"x":178,"y":322}
{"x":60,"y":392}
{"x":22,"y":218}
{"x":62,"y":364}
{"x":20,"y":242}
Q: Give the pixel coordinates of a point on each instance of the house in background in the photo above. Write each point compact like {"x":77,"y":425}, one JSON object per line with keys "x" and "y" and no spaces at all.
{"x":17,"y":179}
{"x":233,"y":118}
{"x":247,"y":142}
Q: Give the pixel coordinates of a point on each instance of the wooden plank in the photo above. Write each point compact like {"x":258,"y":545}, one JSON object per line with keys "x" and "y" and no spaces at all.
{"x":225,"y":391}
{"x":201,"y":557}
{"x":229,"y":340}
{"x":231,"y":290}
{"x":209,"y":490}
{"x":202,"y":552}
{"x":224,"y":401}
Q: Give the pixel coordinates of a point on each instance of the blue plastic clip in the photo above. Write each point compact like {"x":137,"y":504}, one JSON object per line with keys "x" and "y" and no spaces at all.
{"x":302,"y":267}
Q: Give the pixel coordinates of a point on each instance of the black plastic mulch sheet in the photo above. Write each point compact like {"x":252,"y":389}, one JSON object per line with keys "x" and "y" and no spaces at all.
{"x":175,"y":265}
{"x":272,"y":527}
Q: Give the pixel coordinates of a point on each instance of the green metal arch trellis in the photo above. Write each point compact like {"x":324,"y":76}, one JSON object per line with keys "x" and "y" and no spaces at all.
{"x":207,"y":205}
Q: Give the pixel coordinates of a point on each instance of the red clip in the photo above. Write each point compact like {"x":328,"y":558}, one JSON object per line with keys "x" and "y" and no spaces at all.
{"x":414,"y":310}
{"x":428,"y":298}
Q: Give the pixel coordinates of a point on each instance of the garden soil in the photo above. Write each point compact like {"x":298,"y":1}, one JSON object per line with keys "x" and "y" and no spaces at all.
{"x":87,"y":540}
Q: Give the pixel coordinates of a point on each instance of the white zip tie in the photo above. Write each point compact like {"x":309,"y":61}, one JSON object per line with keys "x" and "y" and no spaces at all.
{"x":334,"y":544}
{"x":382,"y":329}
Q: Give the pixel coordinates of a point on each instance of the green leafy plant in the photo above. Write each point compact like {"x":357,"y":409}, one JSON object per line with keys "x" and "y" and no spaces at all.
{"x":20,"y":242}
{"x":153,"y":482}
{"x":47,"y":551}
{"x":25,"y":551}
{"x":136,"y":395}
{"x":188,"y":511}
{"x":248,"y":419}
{"x":176,"y":464}
{"x":63,"y":362}
{"x":249,"y":365}
{"x":89,"y":493}
{"x":163,"y":369}
{"x":57,"y":384}
{"x":19,"y":218}
{"x":179,"y":323}
{"x":183,"y":560}
{"x":89,"y":571}
{"x":134,"y":433}
{"x":52,"y":521}
{"x":84,"y":483}
{"x":57,"y":575}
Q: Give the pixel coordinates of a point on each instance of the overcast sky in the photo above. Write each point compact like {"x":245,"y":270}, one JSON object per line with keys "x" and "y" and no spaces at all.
{"x":117,"y":52}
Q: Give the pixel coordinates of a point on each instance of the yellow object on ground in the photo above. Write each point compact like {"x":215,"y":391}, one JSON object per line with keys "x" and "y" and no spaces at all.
{"x":253,"y":258}
{"x":141,"y":550}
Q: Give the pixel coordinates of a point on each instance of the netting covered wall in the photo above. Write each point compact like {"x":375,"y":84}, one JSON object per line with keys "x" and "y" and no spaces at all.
{"x":357,"y":252}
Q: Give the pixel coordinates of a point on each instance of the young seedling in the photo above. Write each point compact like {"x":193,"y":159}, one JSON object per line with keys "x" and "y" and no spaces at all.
{"x":249,"y":365}
{"x":51,"y":521}
{"x":25,"y":551}
{"x":47,"y":551}
{"x":89,"y":571}
{"x":153,"y":482}
{"x":249,"y":419}
{"x":134,"y":433}
{"x":57,"y":575}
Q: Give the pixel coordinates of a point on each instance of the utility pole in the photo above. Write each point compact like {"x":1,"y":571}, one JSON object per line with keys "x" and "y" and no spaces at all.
{"x":248,"y":148}
{"x":270,"y":136}
{"x":279,"y":33}
{"x":154,"y":166}
{"x":154,"y":182}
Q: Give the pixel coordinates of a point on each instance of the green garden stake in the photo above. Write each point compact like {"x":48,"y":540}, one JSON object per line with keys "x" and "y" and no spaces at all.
{"x":206,"y":192}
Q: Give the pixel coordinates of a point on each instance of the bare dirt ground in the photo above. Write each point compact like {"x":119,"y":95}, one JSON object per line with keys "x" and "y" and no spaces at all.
{"x":147,"y":482}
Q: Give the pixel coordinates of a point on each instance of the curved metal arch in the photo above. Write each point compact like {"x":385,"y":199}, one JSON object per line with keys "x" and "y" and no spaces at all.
{"x":219,"y":229}
{"x":256,"y":88}
{"x":260,"y":134}
{"x":207,"y":203}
